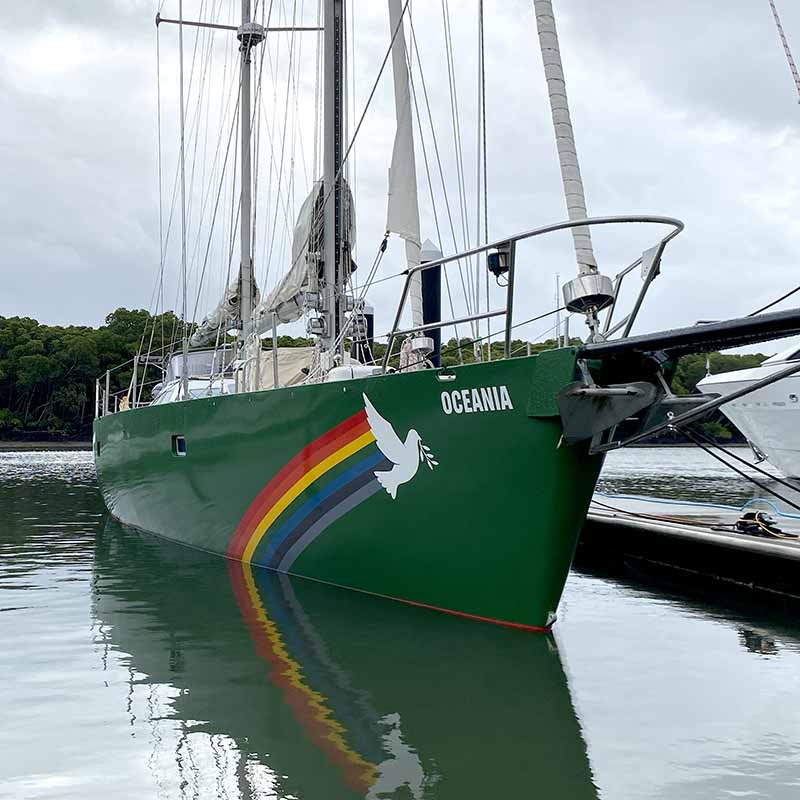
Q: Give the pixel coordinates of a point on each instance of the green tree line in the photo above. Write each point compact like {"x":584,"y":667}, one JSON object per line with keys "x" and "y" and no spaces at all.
{"x":48,"y":372}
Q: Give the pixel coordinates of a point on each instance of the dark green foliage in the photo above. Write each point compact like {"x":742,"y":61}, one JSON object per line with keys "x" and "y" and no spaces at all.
{"x":692,"y":369}
{"x":47,"y":373}
{"x":288,"y":341}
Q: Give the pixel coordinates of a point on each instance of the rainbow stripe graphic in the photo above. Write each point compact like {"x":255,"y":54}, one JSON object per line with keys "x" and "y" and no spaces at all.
{"x":285,"y":639}
{"x":286,"y":533}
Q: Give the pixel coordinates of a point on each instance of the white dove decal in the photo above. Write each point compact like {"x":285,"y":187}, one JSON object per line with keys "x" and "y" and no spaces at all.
{"x":405,"y":456}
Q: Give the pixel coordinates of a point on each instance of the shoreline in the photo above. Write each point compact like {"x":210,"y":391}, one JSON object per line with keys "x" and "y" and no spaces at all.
{"x":45,"y":445}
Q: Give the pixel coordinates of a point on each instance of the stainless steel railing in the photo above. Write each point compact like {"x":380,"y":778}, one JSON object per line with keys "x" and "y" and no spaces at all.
{"x":651,"y":259}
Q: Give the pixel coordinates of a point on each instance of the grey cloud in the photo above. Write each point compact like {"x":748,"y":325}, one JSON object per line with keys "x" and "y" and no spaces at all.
{"x":682,"y":108}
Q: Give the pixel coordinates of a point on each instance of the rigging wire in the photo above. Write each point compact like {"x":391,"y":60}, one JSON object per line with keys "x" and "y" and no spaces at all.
{"x":283,"y":141}
{"x":201,"y":279}
{"x":300,"y":139}
{"x":204,"y":193}
{"x":255,"y":121}
{"x":483,"y":141}
{"x":158,"y":291}
{"x":328,"y":194}
{"x":743,"y":474}
{"x":458,"y":151}
{"x":317,"y":93}
{"x":430,"y":183}
{"x":184,"y":376}
{"x":350,"y":93}
{"x":741,"y":460}
{"x":438,"y":161}
{"x":193,"y":128}
{"x":342,"y":335}
{"x":207,"y":193}
{"x":372,"y":91}
{"x":458,"y":346}
{"x":775,"y":302}
{"x":201,"y":34}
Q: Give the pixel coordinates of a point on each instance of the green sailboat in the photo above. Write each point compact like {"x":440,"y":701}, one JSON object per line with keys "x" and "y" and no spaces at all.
{"x":459,"y":489}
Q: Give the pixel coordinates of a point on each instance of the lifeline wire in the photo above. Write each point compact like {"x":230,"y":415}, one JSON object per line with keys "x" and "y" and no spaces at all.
{"x":518,"y":325}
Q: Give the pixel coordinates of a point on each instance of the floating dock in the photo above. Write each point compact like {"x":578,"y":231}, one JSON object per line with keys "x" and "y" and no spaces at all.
{"x":696,"y":540}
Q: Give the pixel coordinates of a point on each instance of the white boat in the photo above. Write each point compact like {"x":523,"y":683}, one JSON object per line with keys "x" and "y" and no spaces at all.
{"x":769,"y":417}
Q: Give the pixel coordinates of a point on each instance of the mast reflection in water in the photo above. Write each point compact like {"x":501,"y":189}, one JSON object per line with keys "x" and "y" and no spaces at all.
{"x":256,"y":684}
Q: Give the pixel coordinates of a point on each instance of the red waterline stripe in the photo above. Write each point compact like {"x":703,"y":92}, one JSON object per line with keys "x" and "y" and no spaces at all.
{"x":466,"y":615}
{"x":477,"y":617}
{"x":306,"y":459}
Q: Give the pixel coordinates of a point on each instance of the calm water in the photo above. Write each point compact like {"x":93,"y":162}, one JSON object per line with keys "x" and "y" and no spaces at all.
{"x":132,"y":668}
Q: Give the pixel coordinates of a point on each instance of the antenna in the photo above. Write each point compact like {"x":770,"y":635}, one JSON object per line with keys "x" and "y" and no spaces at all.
{"x":786,"y":49}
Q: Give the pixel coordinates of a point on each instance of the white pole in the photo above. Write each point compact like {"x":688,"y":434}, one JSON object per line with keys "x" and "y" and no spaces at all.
{"x":275,"y":384}
{"x":134,"y":381}
{"x":185,"y":348}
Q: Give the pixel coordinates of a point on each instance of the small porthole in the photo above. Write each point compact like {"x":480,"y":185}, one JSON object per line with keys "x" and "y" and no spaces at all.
{"x":793,"y":398}
{"x":178,"y":445}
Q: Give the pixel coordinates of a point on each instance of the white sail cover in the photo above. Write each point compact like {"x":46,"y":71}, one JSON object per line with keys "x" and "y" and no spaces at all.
{"x":403,"y":211}
{"x":286,"y":299}
{"x":218,"y":321}
{"x":259,"y":372}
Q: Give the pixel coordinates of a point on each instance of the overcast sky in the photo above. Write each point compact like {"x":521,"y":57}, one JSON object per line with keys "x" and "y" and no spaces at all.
{"x":682,"y":108}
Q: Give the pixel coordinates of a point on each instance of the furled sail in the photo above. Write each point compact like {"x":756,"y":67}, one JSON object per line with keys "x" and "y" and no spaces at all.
{"x":288,"y":297}
{"x":403,"y":211}
{"x":223,"y":317}
{"x":565,"y":137}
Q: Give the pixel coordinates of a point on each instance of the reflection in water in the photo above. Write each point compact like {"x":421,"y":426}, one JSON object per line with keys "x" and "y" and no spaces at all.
{"x":139,"y":669}
{"x":687,"y":473}
{"x":311,"y":691}
{"x":756,"y":642}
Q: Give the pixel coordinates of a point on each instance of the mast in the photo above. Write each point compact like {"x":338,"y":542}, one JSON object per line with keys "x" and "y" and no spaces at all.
{"x":249,"y":34}
{"x":334,"y":275}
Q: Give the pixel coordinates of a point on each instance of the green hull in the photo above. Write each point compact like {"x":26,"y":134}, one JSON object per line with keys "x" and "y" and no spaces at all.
{"x":273,"y":670}
{"x":486,"y":525}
